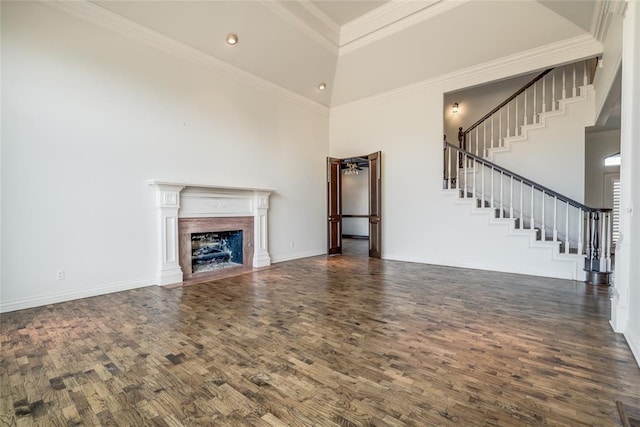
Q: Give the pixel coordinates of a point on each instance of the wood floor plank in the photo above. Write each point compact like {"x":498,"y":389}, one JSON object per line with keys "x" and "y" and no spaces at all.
{"x":339,"y":341}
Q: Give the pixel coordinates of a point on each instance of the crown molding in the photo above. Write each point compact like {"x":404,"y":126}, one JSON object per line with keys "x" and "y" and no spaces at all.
{"x":389,"y":19}
{"x":602,"y":16}
{"x":562,"y":52}
{"x":321,"y":16}
{"x":97,"y":15}
{"x":279,"y":9}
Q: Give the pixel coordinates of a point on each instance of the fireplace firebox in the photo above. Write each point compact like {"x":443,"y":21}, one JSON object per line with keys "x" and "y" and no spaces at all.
{"x":216,"y":250}
{"x":211,"y":247}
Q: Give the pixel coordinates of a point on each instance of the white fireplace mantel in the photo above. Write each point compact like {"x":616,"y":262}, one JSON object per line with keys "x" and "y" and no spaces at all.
{"x":176,"y":200}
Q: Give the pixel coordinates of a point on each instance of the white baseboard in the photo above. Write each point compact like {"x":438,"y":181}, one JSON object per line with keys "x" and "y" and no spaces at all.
{"x":297,"y":255}
{"x":484,"y":267}
{"x":37,"y":301}
{"x":633,"y":339}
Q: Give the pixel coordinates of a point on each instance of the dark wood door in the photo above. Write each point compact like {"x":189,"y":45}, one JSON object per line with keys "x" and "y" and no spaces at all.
{"x":334,"y":206}
{"x":375,"y":201}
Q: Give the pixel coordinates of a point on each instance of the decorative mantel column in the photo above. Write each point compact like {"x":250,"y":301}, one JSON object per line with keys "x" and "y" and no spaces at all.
{"x":168,"y":205}
{"x":261,"y":256}
{"x":206,"y":201}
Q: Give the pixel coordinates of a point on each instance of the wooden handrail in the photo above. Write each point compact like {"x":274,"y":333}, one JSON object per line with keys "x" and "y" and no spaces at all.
{"x":528,"y":181}
{"x":508,"y":100}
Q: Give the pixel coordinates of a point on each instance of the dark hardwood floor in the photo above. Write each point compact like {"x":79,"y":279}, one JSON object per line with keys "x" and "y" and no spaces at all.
{"x":337,"y":341}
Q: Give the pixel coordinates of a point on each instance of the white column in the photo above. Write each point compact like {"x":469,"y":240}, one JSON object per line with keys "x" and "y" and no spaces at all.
{"x":168,"y":205}
{"x":261,"y":256}
{"x":626,"y":294}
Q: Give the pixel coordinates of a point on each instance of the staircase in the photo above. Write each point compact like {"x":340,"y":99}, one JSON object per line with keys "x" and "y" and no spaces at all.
{"x":574,"y":233}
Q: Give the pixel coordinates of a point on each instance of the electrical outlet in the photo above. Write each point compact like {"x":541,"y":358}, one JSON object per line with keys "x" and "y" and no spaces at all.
{"x":60,"y":275}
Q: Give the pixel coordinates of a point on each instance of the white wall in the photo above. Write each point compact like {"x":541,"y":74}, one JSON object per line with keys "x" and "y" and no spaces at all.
{"x":611,"y":57}
{"x":355,"y":201}
{"x":625,"y":307}
{"x":631,"y":126}
{"x":90,"y":115}
{"x":599,"y":145}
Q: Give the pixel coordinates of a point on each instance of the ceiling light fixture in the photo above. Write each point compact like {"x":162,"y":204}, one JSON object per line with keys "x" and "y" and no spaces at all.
{"x":232,"y":38}
{"x":352,"y":168}
{"x":322,"y":86}
{"x":454,"y":110}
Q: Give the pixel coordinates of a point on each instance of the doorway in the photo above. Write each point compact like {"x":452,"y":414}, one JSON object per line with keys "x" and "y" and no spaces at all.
{"x":353,"y":203}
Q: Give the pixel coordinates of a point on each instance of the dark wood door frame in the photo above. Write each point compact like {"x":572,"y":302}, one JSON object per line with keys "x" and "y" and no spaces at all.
{"x":334,"y":205}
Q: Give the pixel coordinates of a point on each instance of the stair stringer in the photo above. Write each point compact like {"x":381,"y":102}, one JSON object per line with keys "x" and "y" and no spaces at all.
{"x":540,"y":258}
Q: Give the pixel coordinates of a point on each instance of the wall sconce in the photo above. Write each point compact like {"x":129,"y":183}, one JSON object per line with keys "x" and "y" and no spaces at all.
{"x":454,"y":109}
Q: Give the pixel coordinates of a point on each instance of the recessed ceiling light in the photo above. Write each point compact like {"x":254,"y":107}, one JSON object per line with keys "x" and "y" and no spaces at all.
{"x":232,"y":38}
{"x":322,"y":86}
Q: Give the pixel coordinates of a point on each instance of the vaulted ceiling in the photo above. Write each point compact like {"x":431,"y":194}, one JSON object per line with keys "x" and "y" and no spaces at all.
{"x":359,"y":48}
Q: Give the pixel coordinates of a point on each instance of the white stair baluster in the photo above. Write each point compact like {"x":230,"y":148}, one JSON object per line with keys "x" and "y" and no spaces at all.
{"x":464,"y":188}
{"x":491,"y":204}
{"x":508,"y":122}
{"x":500,"y":128}
{"x":521,"y":205}
{"x":474,"y":178}
{"x":532,"y":217}
{"x":525,"y":107}
{"x":566,"y":228}
{"x":580,"y":221}
{"x":501,"y":204}
{"x":555,"y":219}
{"x":574,"y":79}
{"x":482,"y":189}
{"x":492,"y":118}
{"x":543,"y":231}
{"x":564,"y":82}
{"x":553,"y":91}
{"x":544,"y":94}
{"x":516,"y":130}
{"x":477,"y":140}
{"x":584,"y":75}
{"x":511,"y":199}
{"x":535,"y":108}
{"x":484,"y":140}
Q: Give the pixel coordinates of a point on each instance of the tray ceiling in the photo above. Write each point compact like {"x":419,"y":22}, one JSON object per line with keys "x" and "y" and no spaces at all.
{"x":359,"y":48}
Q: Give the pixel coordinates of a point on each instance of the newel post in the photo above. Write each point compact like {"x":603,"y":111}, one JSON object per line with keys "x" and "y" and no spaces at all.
{"x":462,"y":144}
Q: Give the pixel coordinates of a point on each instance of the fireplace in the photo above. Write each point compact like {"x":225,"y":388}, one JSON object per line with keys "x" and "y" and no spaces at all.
{"x":211,"y":247}
{"x":200,"y":227}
